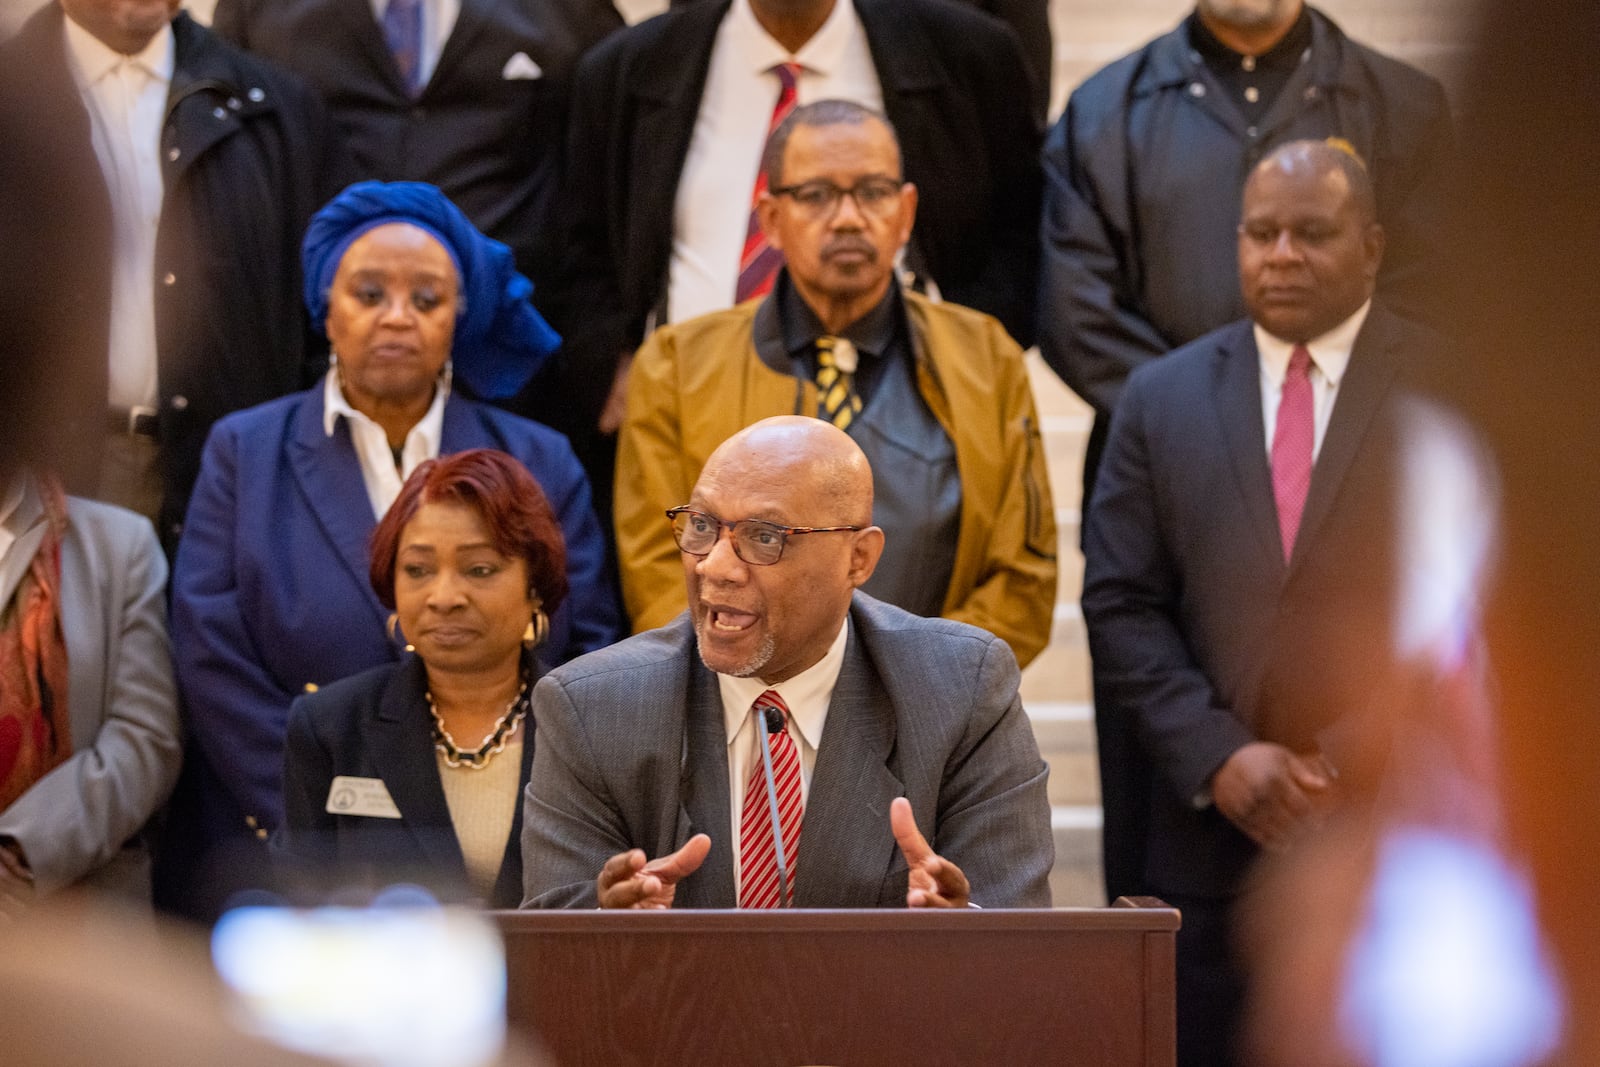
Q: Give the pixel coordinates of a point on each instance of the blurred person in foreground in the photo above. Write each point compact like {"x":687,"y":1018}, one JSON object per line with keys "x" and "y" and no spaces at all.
{"x":1467,"y":936}
{"x":377,"y":786}
{"x":270,"y":593}
{"x":788,"y":740}
{"x":194,"y":169}
{"x":934,"y":394}
{"x":1239,"y":562}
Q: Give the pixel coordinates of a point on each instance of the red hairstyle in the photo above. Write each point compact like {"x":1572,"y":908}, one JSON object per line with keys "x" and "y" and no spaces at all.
{"x":508,"y":500}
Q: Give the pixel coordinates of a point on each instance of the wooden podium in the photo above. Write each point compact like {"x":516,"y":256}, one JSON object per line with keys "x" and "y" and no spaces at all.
{"x":1086,"y":987}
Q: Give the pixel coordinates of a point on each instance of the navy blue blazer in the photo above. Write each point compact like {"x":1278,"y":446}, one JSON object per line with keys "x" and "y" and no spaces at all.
{"x":376,"y":725}
{"x":1204,"y":638}
{"x":270,"y":591}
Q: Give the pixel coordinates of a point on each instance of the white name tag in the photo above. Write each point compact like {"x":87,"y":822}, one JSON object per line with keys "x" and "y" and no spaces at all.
{"x":349,"y":795}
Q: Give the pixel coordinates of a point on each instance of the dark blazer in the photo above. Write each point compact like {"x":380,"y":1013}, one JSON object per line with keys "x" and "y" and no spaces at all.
{"x":247,"y":156}
{"x":633,"y":754}
{"x":1030,"y":21}
{"x":955,"y":89}
{"x":1203,"y":638}
{"x":271,"y":590}
{"x":492,"y":143}
{"x":376,"y":725}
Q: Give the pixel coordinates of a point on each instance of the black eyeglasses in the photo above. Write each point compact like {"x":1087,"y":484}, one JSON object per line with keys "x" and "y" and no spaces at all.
{"x":757,"y":542}
{"x":876,"y":196}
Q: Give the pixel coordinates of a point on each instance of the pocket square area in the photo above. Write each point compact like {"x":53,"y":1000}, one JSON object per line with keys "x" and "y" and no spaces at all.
{"x":521,"y":67}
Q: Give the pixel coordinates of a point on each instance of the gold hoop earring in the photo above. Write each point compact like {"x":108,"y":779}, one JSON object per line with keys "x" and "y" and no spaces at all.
{"x":392,"y":626}
{"x":538,"y":630}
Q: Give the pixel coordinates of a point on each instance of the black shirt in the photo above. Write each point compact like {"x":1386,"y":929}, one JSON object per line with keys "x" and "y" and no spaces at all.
{"x":1253,"y":82}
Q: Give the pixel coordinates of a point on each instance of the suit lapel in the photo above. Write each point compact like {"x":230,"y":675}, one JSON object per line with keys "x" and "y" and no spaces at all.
{"x":1237,"y":376}
{"x":329,"y":478}
{"x":667,"y":82}
{"x":845,"y":846}
{"x":705,"y":795}
{"x":358,"y":17}
{"x":1366,"y":383}
{"x":472,"y":17}
{"x":402,"y":750}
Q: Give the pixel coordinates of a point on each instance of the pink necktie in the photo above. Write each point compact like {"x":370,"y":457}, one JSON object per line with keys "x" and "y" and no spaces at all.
{"x":758,"y":860}
{"x":758,"y":263}
{"x":1292,"y":441}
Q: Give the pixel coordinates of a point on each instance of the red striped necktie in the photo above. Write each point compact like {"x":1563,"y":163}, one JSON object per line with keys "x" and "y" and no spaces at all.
{"x":758,"y":860}
{"x":759,"y":262}
{"x":1293,"y":439}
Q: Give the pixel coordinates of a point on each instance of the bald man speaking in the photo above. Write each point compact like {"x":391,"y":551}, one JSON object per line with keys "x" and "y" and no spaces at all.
{"x":788,"y":741}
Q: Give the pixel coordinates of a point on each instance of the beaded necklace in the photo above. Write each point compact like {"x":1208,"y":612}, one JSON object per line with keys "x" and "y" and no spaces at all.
{"x":492,"y":745}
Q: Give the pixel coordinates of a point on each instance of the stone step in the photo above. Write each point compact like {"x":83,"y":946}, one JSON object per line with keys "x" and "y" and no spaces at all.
{"x":1075,"y":880}
{"x":1065,"y":733}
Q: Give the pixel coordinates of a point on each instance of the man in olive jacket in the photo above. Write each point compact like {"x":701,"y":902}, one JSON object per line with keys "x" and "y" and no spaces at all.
{"x":936,"y":395}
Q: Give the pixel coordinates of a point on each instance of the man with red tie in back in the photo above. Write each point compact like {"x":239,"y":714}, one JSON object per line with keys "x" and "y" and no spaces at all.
{"x":1239,"y":568}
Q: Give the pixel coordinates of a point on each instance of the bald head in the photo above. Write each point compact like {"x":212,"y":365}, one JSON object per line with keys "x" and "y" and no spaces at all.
{"x":774,"y":619}
{"x":802,"y":452}
{"x":1333,"y":162}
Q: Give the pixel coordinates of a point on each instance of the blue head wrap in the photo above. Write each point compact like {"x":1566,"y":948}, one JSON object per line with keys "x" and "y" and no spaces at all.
{"x":500,"y":340}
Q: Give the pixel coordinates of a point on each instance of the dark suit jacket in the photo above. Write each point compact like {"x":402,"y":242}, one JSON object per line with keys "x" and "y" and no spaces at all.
{"x":271,"y":587}
{"x":247,"y":156}
{"x":955,"y":89}
{"x":1030,"y":21}
{"x":376,"y":725}
{"x":633,"y":754}
{"x":492,"y":144}
{"x":1203,"y":638}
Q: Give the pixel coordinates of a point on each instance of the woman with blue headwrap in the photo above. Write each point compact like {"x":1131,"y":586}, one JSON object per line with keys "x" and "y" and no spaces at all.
{"x":270,"y":590}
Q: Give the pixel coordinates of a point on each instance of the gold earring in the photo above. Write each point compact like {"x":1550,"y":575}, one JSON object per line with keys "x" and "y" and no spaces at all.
{"x":395,"y":636}
{"x":538,"y":629}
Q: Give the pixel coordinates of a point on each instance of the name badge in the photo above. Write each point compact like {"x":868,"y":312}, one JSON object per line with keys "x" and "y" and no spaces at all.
{"x":349,"y":795}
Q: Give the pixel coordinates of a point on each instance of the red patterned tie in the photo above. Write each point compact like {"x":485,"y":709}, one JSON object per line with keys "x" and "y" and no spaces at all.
{"x":1292,"y":441}
{"x":758,"y":860}
{"x":758,"y":264}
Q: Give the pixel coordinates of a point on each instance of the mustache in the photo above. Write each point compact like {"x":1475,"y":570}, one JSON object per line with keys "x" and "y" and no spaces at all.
{"x":850,"y":242}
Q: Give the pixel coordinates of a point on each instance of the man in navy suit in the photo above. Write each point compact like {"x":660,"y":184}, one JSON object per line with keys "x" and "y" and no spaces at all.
{"x":1237,"y":604}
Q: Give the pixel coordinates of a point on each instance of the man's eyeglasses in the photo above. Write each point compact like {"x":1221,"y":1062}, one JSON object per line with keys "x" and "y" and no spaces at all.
{"x":757,"y":542}
{"x":873,"y":196}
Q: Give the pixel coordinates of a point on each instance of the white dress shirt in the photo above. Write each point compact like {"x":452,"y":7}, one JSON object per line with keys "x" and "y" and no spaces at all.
{"x":126,"y":97}
{"x":383,"y":480}
{"x":712,"y":210}
{"x":807,"y":696}
{"x":1330,"y":355}
{"x":438,"y":20}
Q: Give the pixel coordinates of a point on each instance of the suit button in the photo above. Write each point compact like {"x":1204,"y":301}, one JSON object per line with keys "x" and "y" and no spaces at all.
{"x":173,"y":154}
{"x":169,"y":279}
{"x":311,"y":687}
{"x":256,"y":95}
{"x":179,"y":402}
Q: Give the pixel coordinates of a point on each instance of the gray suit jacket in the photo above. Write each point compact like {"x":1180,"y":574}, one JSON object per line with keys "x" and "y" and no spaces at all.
{"x":82,"y":822}
{"x":632,"y":753}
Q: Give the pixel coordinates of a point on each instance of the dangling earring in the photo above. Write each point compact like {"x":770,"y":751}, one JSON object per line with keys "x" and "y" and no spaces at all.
{"x":395,"y":636}
{"x":538,"y":629}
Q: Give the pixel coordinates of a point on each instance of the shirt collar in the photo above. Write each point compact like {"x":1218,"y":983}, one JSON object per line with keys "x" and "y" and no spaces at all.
{"x":807,"y":694}
{"x":20,"y":508}
{"x":872,"y":333}
{"x":1330,"y":353}
{"x":430,"y":427}
{"x":93,"y":59}
{"x":822,"y":54}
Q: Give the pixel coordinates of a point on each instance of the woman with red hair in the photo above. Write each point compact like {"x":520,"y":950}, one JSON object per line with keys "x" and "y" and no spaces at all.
{"x":414,"y":771}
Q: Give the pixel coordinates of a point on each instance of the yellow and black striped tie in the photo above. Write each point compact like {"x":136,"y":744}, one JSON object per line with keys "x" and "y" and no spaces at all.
{"x":837,"y":399}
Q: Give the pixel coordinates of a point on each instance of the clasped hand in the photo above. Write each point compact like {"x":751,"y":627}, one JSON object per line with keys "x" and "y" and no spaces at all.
{"x":1272,"y":793}
{"x":630,"y":880}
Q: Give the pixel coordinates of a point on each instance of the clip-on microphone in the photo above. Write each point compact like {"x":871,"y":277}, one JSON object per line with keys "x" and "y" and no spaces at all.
{"x":774,"y":724}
